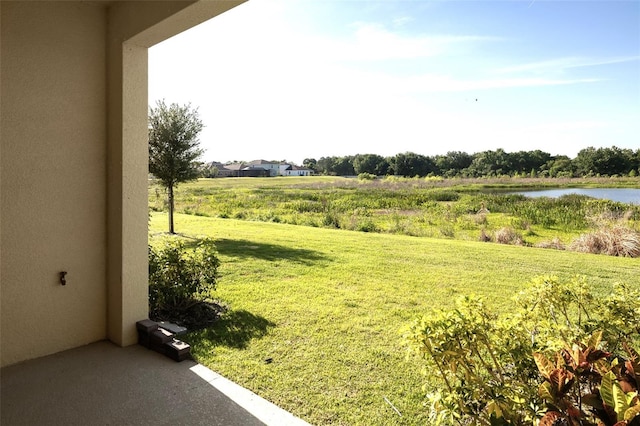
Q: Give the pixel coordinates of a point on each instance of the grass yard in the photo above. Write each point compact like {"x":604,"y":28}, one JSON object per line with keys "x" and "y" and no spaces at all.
{"x":315,"y":313}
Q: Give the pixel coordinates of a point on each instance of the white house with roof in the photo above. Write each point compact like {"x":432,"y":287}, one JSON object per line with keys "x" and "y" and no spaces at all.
{"x":254,"y":169}
{"x":293,"y":170}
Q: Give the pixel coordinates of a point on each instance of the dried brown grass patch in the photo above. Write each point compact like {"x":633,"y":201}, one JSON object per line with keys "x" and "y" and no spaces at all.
{"x":614,"y":241}
{"x":508,"y":235}
{"x":552,"y":244}
{"x":480,"y":218}
{"x":484,"y":236}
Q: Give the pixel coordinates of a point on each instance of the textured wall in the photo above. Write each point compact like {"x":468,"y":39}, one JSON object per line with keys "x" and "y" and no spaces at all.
{"x":73,"y":157}
{"x":134,"y":27}
{"x":53,"y":176}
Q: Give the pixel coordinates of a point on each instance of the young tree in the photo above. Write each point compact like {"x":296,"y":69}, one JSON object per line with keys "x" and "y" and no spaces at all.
{"x":174,"y":146}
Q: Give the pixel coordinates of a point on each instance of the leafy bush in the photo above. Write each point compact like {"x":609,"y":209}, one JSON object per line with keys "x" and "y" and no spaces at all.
{"x":443,"y":195}
{"x":482,"y":363}
{"x":331,"y":220}
{"x":447,"y":231}
{"x":366,"y":176}
{"x":584,"y":385}
{"x":181,"y":282}
{"x":486,"y":364}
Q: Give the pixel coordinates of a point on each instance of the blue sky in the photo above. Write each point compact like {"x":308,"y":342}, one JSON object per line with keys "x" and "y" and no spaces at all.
{"x":295,"y":79}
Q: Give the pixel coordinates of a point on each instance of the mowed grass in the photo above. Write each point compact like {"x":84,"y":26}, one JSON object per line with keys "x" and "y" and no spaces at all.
{"x":315,"y":313}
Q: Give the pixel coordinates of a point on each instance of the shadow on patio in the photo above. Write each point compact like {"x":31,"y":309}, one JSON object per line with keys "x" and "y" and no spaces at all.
{"x":103,"y":384}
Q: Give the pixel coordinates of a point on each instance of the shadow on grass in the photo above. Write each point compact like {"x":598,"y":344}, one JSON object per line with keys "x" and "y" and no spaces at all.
{"x":266,"y":251}
{"x":235,"y":329}
{"x":244,"y":249}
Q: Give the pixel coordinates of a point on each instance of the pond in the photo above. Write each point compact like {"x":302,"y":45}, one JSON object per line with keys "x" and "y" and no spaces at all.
{"x":622,"y":195}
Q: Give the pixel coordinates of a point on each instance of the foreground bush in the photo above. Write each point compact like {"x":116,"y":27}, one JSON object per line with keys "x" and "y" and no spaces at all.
{"x":587,"y":386}
{"x":489,"y":374}
{"x":181,"y":281}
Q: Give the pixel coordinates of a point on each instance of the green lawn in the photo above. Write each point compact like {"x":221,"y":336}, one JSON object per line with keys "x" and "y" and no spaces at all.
{"x":326,"y":307}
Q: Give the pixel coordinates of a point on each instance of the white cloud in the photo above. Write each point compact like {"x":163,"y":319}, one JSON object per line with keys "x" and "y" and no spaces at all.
{"x":559,"y":65}
{"x":401,"y":21}
{"x":432,"y":83}
{"x":374,"y":42}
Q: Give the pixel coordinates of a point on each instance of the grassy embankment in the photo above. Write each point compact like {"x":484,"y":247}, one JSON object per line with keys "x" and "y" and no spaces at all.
{"x":418,"y":207}
{"x":325,"y":306}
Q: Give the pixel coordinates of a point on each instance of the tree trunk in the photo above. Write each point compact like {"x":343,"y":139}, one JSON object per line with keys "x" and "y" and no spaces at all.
{"x":170,"y":188}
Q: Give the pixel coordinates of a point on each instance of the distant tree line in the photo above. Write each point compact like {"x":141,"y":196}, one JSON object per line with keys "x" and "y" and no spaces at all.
{"x":590,"y":161}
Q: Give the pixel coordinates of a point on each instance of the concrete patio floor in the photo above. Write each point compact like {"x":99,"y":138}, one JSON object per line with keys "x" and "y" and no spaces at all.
{"x":103,"y":384}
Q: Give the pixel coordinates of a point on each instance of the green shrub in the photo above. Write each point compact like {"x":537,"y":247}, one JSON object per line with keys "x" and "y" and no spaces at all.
{"x":306,"y":206}
{"x":367,"y":225}
{"x":443,"y":195}
{"x":482,"y":363}
{"x":485,"y":363}
{"x":447,"y":231}
{"x":331,"y":220}
{"x":366,"y":176}
{"x":181,"y":280}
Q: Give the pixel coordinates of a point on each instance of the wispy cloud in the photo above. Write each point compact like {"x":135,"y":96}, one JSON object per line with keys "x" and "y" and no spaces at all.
{"x":559,"y":65}
{"x":362,"y":81}
{"x":448,"y":84}
{"x":371,"y":42}
{"x":402,"y":21}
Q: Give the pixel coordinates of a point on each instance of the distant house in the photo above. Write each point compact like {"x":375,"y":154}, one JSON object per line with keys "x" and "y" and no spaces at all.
{"x":272,"y":166}
{"x":231,"y":170}
{"x":259,"y":168}
{"x":254,"y":171}
{"x":293,"y":170}
{"x":284,"y":168}
{"x":220,"y":170}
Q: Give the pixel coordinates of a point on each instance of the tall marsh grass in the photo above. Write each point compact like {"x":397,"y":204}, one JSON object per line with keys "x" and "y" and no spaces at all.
{"x":617,"y":240}
{"x":444,"y":208}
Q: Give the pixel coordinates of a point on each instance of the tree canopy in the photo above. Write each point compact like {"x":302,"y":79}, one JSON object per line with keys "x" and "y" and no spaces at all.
{"x":589,"y":162}
{"x":174,"y":146}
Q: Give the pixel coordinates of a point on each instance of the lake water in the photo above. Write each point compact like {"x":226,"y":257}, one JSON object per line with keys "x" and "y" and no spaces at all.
{"x":622,"y":195}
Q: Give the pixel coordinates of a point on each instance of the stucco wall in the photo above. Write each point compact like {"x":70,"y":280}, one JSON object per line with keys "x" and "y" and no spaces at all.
{"x":53,"y":176}
{"x":73,"y":157}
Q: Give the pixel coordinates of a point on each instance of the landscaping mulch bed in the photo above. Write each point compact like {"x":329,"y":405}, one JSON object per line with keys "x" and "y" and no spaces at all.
{"x":200,"y":314}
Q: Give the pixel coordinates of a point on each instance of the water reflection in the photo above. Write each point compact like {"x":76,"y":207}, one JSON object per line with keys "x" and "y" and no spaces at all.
{"x":622,"y":195}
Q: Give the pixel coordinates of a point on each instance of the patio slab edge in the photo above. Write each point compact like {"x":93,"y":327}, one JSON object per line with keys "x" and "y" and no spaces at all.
{"x":257,"y":406}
